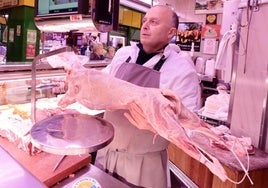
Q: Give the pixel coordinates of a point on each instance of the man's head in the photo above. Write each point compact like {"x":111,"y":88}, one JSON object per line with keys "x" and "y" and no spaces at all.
{"x":111,"y":50}
{"x":98,"y":48}
{"x":159,"y":26}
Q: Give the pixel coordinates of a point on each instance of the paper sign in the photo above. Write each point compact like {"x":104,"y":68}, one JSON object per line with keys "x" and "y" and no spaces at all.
{"x":210,"y":45}
{"x":211,"y":31}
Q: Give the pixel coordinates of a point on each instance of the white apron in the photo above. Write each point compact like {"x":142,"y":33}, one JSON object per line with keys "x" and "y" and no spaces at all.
{"x":132,"y":156}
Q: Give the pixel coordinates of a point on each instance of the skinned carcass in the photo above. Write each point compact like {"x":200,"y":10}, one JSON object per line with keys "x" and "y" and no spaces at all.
{"x":157,"y":110}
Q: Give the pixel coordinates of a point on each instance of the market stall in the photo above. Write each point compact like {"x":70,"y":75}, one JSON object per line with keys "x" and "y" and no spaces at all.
{"x":47,"y":152}
{"x":38,"y":137}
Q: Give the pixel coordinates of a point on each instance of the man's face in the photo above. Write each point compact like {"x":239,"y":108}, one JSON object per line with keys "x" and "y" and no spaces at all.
{"x":156,"y":28}
{"x":99,"y":50}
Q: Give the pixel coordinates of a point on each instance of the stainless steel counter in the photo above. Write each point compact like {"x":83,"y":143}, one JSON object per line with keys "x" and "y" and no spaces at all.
{"x":92,"y":177}
{"x":12,"y":174}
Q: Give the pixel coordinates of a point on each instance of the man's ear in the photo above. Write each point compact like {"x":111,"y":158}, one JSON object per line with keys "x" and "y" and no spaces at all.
{"x":172,"y":32}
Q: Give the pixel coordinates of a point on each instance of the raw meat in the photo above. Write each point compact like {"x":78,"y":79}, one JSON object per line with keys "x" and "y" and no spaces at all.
{"x":157,"y":110}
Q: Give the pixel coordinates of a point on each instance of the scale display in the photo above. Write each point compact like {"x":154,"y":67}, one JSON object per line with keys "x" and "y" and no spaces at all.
{"x":48,"y":8}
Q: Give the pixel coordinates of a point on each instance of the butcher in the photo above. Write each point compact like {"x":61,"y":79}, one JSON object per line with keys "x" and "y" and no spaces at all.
{"x":136,"y":156}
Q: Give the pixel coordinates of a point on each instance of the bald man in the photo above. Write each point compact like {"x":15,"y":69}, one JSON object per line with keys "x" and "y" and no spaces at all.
{"x":136,"y":156}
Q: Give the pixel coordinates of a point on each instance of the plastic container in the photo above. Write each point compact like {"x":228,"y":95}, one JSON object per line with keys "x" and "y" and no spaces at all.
{"x":210,"y":67}
{"x":200,"y":64}
{"x":87,"y":53}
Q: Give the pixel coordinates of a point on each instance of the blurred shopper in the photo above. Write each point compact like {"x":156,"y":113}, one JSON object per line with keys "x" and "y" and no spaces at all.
{"x":110,"y":52}
{"x":97,"y":52}
{"x":83,"y":49}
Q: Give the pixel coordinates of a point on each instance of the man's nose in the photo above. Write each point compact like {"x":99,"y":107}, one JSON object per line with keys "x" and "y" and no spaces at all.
{"x":145,"y":25}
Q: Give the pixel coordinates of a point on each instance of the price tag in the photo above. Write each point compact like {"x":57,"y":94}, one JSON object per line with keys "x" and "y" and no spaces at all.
{"x":76,"y":17}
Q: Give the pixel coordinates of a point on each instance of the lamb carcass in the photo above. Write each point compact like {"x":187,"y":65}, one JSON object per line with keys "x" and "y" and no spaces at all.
{"x":157,"y":110}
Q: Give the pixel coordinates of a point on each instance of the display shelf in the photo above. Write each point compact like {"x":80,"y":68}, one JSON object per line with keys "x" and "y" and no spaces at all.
{"x":213,"y":121}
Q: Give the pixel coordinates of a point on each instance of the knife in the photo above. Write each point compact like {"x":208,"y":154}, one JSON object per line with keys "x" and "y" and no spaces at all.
{"x":58,"y":163}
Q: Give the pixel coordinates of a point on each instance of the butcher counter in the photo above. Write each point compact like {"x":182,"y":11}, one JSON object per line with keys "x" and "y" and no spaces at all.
{"x":15,"y":81}
{"x":21,"y":70}
{"x":203,"y":178}
{"x":37,"y":170}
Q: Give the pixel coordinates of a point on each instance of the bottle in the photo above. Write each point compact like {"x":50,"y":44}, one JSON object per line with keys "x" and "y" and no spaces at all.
{"x":192,"y":50}
{"x":87,"y":53}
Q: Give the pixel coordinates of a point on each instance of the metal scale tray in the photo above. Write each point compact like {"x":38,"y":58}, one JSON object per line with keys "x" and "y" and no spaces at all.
{"x":72,"y":134}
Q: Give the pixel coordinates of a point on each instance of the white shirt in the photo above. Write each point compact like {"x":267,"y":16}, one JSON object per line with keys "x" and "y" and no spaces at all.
{"x":177,"y":73}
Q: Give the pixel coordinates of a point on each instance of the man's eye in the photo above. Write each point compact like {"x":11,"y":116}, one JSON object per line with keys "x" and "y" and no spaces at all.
{"x":150,"y":22}
{"x":143,"y":21}
{"x":153,"y":22}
